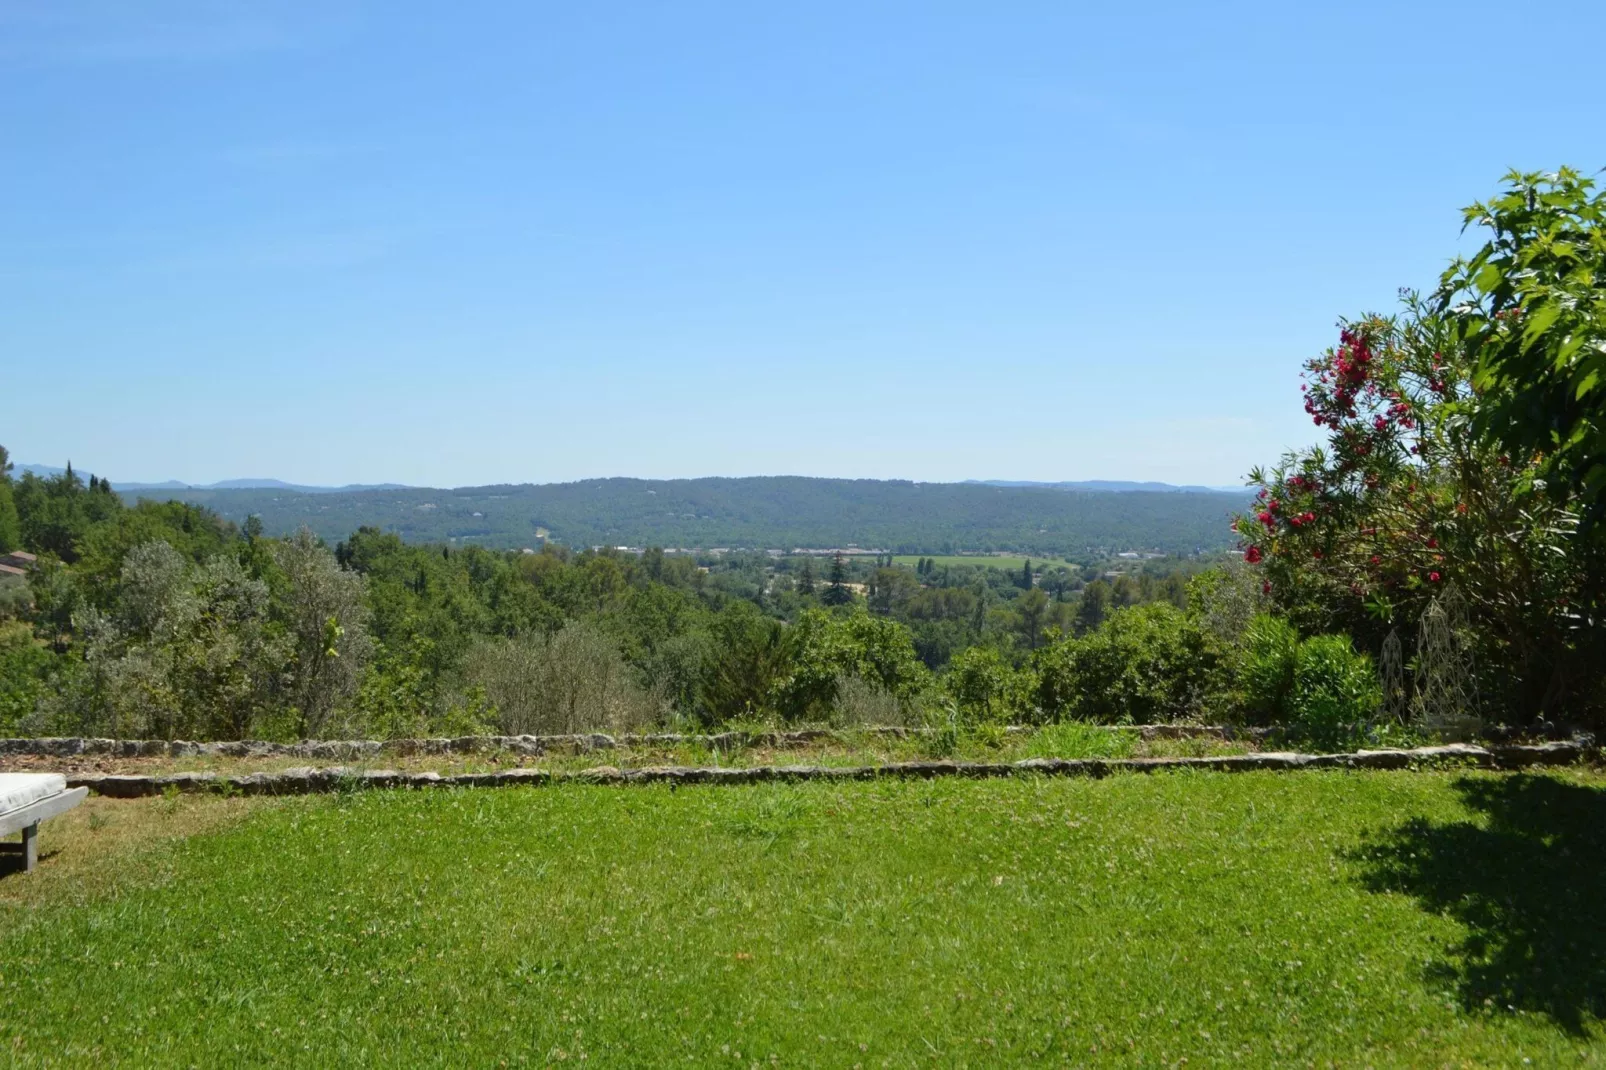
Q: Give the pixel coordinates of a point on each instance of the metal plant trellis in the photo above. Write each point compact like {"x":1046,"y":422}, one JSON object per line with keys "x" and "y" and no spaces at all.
{"x":1445,"y":703}
{"x":1391,"y":673}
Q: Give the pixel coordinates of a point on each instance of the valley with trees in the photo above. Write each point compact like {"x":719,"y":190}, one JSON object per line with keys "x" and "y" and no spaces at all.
{"x":768,"y":512}
{"x":163,"y":619}
{"x":1436,"y":566}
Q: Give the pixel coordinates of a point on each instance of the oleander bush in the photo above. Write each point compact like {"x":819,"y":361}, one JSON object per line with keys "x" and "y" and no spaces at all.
{"x":1463,"y":447}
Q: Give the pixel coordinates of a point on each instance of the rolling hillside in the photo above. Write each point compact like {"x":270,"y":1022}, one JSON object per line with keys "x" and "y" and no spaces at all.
{"x":769,"y":511}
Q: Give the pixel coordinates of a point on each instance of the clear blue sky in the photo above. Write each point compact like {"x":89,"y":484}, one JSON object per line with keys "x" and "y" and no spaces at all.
{"x":477,"y":242}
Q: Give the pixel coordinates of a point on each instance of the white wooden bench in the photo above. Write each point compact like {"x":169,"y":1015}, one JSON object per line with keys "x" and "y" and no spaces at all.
{"x":27,"y":799}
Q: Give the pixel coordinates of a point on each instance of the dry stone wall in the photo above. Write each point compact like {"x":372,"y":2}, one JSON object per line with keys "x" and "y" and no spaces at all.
{"x":335,"y":779}
{"x":363,"y":749}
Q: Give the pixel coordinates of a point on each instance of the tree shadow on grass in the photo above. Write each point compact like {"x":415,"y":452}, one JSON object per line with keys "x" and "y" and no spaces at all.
{"x":1529,"y":883}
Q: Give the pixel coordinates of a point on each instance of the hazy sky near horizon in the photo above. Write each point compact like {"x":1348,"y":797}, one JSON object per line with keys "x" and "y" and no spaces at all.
{"x":338,"y":241}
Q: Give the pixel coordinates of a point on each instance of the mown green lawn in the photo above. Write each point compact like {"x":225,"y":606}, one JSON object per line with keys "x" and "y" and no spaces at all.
{"x":1355,"y":918}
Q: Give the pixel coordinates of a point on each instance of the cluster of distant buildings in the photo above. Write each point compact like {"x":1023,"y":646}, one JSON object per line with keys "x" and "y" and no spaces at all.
{"x":843,"y":551}
{"x":15,"y":566}
{"x":846,"y":551}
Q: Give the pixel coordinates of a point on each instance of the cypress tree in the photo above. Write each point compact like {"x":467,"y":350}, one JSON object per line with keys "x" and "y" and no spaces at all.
{"x":10,"y":523}
{"x":836,"y":591}
{"x":1093,"y":607}
{"x":1026,"y":575}
{"x":805,"y":577}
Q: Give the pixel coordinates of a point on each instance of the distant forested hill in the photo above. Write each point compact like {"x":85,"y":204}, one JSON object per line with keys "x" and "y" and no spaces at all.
{"x":768,"y":512}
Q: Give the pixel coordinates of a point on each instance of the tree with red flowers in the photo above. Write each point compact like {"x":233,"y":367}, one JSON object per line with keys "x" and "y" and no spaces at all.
{"x":1410,"y":493}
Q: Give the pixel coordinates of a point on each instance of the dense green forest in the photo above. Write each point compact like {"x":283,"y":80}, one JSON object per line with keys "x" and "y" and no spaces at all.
{"x":166,"y":619}
{"x":775,"y":512}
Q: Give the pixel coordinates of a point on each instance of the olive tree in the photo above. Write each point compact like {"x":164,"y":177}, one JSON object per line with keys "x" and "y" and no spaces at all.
{"x":327,"y":621}
{"x":573,"y":680}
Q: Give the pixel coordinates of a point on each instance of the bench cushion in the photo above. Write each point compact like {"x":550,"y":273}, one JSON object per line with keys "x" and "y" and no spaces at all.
{"x":20,"y":789}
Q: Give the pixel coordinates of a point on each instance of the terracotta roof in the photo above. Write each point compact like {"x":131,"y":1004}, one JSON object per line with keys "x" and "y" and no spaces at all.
{"x":8,"y":570}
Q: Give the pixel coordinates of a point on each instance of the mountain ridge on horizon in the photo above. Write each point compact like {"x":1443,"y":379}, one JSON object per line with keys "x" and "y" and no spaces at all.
{"x":225,"y":484}
{"x":1096,"y":485}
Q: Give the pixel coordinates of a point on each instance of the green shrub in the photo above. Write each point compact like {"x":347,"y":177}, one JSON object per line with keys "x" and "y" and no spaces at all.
{"x":985,"y":687}
{"x":1145,"y":664}
{"x":394,"y":700}
{"x":1266,"y":669}
{"x":25,"y":674}
{"x":824,"y":649}
{"x":1319,"y":687}
{"x":753,"y":659}
{"x":1335,"y":689}
{"x":676,"y":667}
{"x":1057,"y":682}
